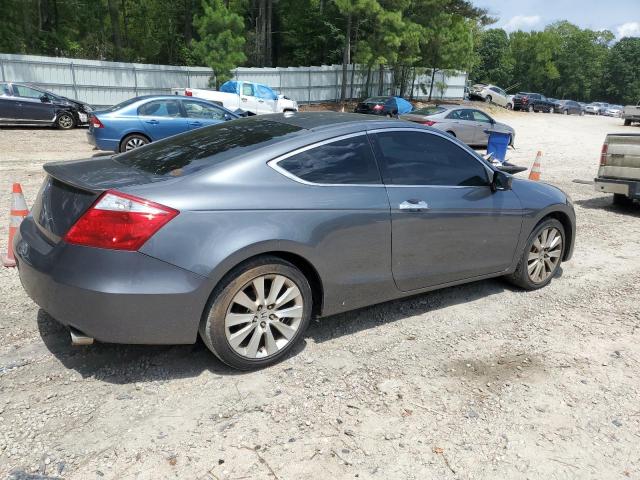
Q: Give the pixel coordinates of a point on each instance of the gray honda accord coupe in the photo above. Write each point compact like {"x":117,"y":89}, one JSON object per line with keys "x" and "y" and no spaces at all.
{"x":242,"y":231}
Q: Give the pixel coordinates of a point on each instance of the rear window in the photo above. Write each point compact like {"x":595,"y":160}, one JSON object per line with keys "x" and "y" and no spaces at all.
{"x":201,"y":148}
{"x":428,"y":110}
{"x":120,"y":105}
{"x":376,"y":100}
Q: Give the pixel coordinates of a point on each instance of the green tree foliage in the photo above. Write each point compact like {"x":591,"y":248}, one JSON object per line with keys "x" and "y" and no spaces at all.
{"x":495,"y":63}
{"x":622,"y":72}
{"x":221,"y":39}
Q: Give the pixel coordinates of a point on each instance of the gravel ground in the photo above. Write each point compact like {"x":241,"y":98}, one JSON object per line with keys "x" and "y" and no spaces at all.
{"x":476,"y":381}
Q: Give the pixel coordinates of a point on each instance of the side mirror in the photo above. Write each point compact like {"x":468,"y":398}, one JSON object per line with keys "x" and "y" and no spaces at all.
{"x":45,"y":99}
{"x":501,"y":181}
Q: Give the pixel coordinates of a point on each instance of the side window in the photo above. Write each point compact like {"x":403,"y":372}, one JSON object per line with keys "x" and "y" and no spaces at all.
{"x":202,"y":110}
{"x":266,"y":93}
{"x":455,"y":115}
{"x":247,"y":90}
{"x":22,"y":91}
{"x":160,"y":108}
{"x":466,"y":114}
{"x":416,"y":158}
{"x":347,"y":161}
{"x":479,"y":116}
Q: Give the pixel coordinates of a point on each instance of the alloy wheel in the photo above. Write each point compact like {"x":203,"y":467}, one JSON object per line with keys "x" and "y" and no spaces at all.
{"x":264,"y":316}
{"x":544,"y":255}
{"x":65,"y":121}
{"x":134,"y":142}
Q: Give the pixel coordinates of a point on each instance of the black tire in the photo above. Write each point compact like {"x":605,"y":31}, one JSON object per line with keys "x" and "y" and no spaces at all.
{"x":488,"y":99}
{"x":65,"y":121}
{"x":133,"y":138}
{"x":452,"y":133}
{"x":622,"y":200}
{"x":509,"y":106}
{"x":520,"y":277}
{"x":627,"y":123}
{"x":212,"y":326}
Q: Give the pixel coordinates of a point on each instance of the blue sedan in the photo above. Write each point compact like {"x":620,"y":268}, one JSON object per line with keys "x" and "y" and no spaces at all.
{"x":141,"y":120}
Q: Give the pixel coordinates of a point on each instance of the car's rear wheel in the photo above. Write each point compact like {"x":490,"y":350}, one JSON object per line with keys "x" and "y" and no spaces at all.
{"x":65,"y":121}
{"x":541,"y":257}
{"x":488,"y":99}
{"x":133,"y":141}
{"x":257,"y":313}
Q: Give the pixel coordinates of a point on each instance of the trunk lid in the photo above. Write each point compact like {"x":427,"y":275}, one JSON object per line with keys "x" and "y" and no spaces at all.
{"x":72,"y":187}
{"x":622,"y":157}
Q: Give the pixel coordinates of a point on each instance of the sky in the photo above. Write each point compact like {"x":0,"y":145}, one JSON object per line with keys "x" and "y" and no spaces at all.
{"x":622,"y":17}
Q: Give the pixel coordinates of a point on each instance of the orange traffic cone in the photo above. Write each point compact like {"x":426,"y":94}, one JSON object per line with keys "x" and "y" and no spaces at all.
{"x":19,"y":210}
{"x":535,"y":170}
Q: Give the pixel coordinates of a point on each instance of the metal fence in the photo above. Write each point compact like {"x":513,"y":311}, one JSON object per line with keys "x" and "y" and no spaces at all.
{"x":107,"y":83}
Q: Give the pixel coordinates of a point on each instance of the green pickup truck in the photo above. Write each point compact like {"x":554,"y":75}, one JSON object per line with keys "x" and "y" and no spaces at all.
{"x":619,"y":171}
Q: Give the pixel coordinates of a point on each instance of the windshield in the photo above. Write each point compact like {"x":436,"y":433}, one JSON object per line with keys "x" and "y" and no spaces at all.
{"x":193,"y":151}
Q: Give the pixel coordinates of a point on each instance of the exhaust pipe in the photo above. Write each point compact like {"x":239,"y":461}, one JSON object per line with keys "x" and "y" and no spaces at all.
{"x":78,"y":338}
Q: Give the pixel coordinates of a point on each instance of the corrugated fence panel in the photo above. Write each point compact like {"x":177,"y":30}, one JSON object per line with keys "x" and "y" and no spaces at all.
{"x":107,"y":83}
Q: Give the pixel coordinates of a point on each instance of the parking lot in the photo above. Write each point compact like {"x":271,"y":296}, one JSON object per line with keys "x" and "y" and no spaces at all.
{"x":476,"y":381}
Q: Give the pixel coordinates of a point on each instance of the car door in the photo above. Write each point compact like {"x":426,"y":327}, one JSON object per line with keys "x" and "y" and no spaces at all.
{"x":7,"y":103}
{"x":32,"y":105}
{"x":201,"y":114}
{"x":248,"y":100}
{"x":499,"y":96}
{"x":447,"y":224}
{"x":267,"y":99}
{"x":482,"y":123}
{"x":162,"y":118}
{"x":460,"y":123}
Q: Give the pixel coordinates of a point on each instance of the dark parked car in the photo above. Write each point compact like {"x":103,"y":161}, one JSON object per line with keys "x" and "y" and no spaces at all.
{"x":570,"y":107}
{"x":141,"y":120}
{"x":242,"y":231}
{"x":386,"y":106}
{"x":27,"y":104}
{"x":532,"y":102}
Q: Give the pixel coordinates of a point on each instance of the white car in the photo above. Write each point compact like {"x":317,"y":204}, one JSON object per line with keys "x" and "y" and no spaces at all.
{"x":489,"y":93}
{"x":254,"y":98}
{"x":613,"y":111}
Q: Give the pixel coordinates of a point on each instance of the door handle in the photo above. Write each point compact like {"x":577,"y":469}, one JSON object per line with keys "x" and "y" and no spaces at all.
{"x":153,"y":122}
{"x":414,"y":205}
{"x":244,"y":99}
{"x":195,"y":124}
{"x":260,"y":101}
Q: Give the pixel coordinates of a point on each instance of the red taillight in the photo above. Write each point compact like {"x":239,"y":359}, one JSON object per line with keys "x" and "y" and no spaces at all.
{"x":378,"y":107}
{"x":429,"y":123}
{"x":188,"y":93}
{"x":119,"y":222}
{"x":96,"y":123}
{"x":603,"y":154}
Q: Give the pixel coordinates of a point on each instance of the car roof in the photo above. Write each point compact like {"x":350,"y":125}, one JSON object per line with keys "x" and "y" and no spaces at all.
{"x":326,"y":120}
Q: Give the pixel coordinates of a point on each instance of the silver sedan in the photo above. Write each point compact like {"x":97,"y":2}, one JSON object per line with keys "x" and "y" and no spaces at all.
{"x":470,"y":125}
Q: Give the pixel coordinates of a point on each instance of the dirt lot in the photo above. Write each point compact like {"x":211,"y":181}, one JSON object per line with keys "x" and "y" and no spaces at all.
{"x":476,"y":381}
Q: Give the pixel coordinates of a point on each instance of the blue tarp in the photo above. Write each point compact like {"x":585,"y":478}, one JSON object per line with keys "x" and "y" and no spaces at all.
{"x":402,"y":105}
{"x":230,"y":87}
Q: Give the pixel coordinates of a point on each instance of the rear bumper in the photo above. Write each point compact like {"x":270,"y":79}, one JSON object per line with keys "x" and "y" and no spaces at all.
{"x":102,"y":144}
{"x":112,"y":296}
{"x":630,"y":188}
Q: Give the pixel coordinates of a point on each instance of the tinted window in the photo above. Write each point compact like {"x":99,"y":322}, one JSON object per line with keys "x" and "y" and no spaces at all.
{"x":247,"y":89}
{"x":160,"y":108}
{"x":206,"y":146}
{"x":479,"y":116}
{"x":415,"y":158}
{"x":22,"y":91}
{"x":348,"y":161}
{"x":203,"y":110}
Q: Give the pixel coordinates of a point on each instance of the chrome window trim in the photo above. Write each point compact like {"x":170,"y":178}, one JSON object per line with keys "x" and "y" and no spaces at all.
{"x":274,"y":163}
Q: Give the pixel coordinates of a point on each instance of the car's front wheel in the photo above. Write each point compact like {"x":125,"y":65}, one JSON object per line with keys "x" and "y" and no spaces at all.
{"x":542,"y":256}
{"x":65,"y":121}
{"x":257,"y":313}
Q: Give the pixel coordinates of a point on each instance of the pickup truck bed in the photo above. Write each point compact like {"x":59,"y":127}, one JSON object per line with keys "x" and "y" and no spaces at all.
{"x":619,"y":171}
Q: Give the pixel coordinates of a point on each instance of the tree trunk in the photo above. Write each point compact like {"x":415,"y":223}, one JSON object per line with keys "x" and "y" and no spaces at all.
{"x":433,"y":76}
{"x":346,"y":59}
{"x":115,"y":29}
{"x":381,"y":79}
{"x":413,"y":83}
{"x":368,"y":84}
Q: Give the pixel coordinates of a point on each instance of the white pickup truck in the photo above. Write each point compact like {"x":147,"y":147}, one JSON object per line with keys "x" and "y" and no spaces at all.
{"x":254,"y":98}
{"x":631,"y":113}
{"x":619,"y":171}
